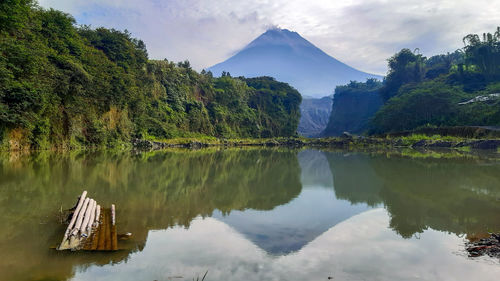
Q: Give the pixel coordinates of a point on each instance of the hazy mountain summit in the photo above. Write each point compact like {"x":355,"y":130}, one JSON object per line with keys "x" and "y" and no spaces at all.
{"x":288,"y":57}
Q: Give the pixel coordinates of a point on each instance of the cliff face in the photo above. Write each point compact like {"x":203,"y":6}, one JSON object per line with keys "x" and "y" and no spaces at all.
{"x":352,"y":110}
{"x":314,"y":115}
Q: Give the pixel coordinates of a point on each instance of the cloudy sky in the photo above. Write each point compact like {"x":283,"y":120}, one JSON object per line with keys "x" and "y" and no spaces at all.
{"x":361,"y":33}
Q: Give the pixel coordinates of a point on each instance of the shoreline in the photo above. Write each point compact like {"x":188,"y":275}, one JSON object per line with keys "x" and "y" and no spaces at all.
{"x":415,"y":145}
{"x":346,"y":141}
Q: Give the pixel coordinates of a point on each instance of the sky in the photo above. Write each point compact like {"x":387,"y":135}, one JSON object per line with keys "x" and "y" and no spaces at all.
{"x":361,"y":33}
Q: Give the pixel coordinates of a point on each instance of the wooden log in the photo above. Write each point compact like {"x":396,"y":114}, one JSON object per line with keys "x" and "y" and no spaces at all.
{"x":97,"y":215}
{"x":81,"y":215}
{"x":73,"y":218}
{"x":107,"y":228}
{"x":74,"y":240}
{"x":95,"y":238}
{"x":114,"y":240}
{"x":89,"y":220}
{"x":102,"y":231}
{"x":113,"y":214}
{"x":91,"y":227}
{"x":86,"y":218}
{"x":92,"y":216}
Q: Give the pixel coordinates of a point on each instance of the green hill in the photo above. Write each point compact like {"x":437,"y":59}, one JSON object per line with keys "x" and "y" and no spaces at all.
{"x":456,"y":89}
{"x":64,"y":86}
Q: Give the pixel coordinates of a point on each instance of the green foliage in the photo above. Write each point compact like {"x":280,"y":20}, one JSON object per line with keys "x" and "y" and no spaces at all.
{"x":353,"y":105}
{"x":420,"y":91}
{"x":67,"y":86}
{"x":404,"y":67}
{"x":485,"y":54}
{"x":428,"y":103}
{"x":280,"y":101}
{"x":414,"y":138}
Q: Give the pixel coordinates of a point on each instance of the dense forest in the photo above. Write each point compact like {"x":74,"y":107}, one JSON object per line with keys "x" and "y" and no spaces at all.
{"x":455,"y":89}
{"x":67,"y":86}
{"x":460,"y":88}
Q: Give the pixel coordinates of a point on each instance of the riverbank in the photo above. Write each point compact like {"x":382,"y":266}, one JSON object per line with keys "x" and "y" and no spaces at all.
{"x":345,"y":141}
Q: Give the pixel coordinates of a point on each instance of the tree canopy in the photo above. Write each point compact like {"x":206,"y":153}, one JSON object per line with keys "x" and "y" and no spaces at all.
{"x":63,"y":85}
{"x":420,"y":91}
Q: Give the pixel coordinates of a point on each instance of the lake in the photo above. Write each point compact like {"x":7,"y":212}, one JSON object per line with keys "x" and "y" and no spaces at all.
{"x":253,"y":214}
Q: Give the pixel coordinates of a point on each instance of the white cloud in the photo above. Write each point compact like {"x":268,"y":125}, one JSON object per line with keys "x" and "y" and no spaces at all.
{"x":360,"y":33}
{"x":360,"y":248}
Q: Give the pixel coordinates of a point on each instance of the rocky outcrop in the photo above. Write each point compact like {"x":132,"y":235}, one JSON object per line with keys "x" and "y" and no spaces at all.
{"x":351,"y":112}
{"x":314,"y":115}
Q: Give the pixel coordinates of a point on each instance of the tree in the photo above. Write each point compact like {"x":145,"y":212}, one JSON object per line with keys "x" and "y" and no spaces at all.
{"x":404,"y":67}
{"x":483,"y":54}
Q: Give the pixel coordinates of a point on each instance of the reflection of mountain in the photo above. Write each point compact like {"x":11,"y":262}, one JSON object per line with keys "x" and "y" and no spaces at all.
{"x":290,"y":227}
{"x":151,"y":191}
{"x":360,"y":248}
{"x":258,"y":192}
{"x":453,"y":195}
{"x":315,"y":170}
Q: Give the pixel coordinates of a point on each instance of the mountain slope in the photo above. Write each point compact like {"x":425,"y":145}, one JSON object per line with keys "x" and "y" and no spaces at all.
{"x":314,"y":115}
{"x":288,"y":57}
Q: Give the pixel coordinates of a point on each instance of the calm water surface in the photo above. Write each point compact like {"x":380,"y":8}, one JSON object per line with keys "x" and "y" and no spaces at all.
{"x":253,"y":214}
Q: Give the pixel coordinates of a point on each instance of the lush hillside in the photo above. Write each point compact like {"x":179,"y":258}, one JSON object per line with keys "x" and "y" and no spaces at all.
{"x":314,"y":115}
{"x":289,"y":57}
{"x":68,"y":86}
{"x":279,"y":101}
{"x":461,"y":88}
{"x":353,"y":107}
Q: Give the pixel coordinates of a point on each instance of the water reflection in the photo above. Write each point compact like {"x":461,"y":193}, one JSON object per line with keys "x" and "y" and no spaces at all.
{"x":253,"y":213}
{"x":289,"y":227}
{"x":461,"y":196}
{"x":361,"y":248}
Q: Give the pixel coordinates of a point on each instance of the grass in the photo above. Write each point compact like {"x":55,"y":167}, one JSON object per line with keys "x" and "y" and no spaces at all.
{"x":411,"y":153}
{"x":464,"y":148}
{"x":414,"y":138}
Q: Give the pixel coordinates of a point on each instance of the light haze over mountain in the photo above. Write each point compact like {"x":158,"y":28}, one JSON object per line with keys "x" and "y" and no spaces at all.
{"x":288,"y":57}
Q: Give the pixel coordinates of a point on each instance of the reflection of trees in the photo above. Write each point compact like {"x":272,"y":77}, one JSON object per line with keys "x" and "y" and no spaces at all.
{"x":453,"y":195}
{"x":151,"y":190}
{"x":354,"y":178}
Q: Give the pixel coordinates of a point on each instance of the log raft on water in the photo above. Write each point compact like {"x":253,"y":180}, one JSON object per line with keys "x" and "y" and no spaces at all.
{"x":91,"y":227}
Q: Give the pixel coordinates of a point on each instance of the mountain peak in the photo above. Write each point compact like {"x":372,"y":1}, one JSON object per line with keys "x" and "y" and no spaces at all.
{"x":278,"y":36}
{"x":277,"y":30}
{"x":288,"y":57}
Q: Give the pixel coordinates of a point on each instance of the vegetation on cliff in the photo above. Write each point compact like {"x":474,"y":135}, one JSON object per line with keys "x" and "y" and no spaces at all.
{"x":460,"y":88}
{"x":353,"y":106}
{"x":456,"y":89}
{"x":67,"y":86}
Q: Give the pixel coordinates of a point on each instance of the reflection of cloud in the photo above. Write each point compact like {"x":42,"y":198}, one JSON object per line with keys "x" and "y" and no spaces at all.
{"x":362,"y":33}
{"x":288,"y":228}
{"x":362,"y":248}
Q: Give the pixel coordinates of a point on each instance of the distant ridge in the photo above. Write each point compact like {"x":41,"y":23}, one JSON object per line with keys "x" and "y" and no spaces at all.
{"x":288,"y":57}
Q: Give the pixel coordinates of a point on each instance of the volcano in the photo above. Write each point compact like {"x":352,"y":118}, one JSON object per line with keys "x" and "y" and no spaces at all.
{"x":288,"y":57}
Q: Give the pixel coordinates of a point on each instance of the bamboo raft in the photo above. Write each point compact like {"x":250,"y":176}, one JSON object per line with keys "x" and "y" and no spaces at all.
{"x":90,"y":228}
